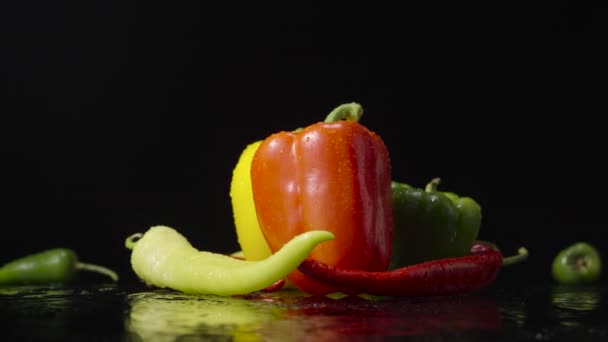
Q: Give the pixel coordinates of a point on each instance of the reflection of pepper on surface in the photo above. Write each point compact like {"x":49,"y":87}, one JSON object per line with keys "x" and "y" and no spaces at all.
{"x":58,"y":312}
{"x":322,"y":318}
{"x":164,"y":315}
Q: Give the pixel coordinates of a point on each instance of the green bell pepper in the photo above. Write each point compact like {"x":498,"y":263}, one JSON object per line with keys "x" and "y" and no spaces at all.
{"x":430,"y":225}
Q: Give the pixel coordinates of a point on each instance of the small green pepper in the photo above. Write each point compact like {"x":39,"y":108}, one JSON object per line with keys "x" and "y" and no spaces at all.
{"x":579,"y":263}
{"x":53,"y":266}
{"x":430,"y":225}
{"x":164,"y":258}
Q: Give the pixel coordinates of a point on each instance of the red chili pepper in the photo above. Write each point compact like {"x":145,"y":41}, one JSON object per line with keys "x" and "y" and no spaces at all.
{"x":437,"y":277}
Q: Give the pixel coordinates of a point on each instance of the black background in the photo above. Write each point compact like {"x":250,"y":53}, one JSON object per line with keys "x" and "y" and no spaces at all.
{"x":116,"y":117}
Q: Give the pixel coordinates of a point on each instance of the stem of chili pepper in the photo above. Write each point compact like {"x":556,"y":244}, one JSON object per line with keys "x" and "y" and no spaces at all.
{"x":348,"y":111}
{"x":83,"y":266}
{"x":480,"y":246}
{"x":522,"y":254}
{"x":437,"y":277}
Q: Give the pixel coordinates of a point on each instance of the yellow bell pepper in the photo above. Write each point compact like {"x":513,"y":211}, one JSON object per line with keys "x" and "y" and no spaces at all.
{"x":250,"y":237}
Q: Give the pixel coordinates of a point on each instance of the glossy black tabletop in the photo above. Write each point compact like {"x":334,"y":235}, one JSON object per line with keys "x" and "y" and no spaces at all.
{"x":113,"y":312}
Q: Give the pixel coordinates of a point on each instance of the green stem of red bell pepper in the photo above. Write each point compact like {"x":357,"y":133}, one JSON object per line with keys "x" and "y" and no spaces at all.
{"x":348,"y":111}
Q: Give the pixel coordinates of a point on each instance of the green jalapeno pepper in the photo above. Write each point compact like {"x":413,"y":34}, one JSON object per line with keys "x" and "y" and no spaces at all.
{"x":53,"y":266}
{"x":429,"y":225}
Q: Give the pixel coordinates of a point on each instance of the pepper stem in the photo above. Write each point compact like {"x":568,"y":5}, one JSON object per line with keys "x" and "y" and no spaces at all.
{"x":98,"y":269}
{"x":348,"y":111}
{"x":522,"y":254}
{"x":432,"y":185}
{"x":131,"y":240}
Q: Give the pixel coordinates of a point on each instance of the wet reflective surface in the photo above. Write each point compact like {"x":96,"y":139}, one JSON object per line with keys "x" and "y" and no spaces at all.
{"x":110,"y":312}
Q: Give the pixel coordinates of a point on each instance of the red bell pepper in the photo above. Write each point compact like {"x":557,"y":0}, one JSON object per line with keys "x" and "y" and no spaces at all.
{"x":333,"y":175}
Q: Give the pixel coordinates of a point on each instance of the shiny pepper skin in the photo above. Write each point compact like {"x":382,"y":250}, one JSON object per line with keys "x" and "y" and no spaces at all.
{"x":333,"y":175}
{"x":429,"y":224}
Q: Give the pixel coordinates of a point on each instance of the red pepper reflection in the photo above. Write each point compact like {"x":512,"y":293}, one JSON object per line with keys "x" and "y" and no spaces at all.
{"x":321,"y":318}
